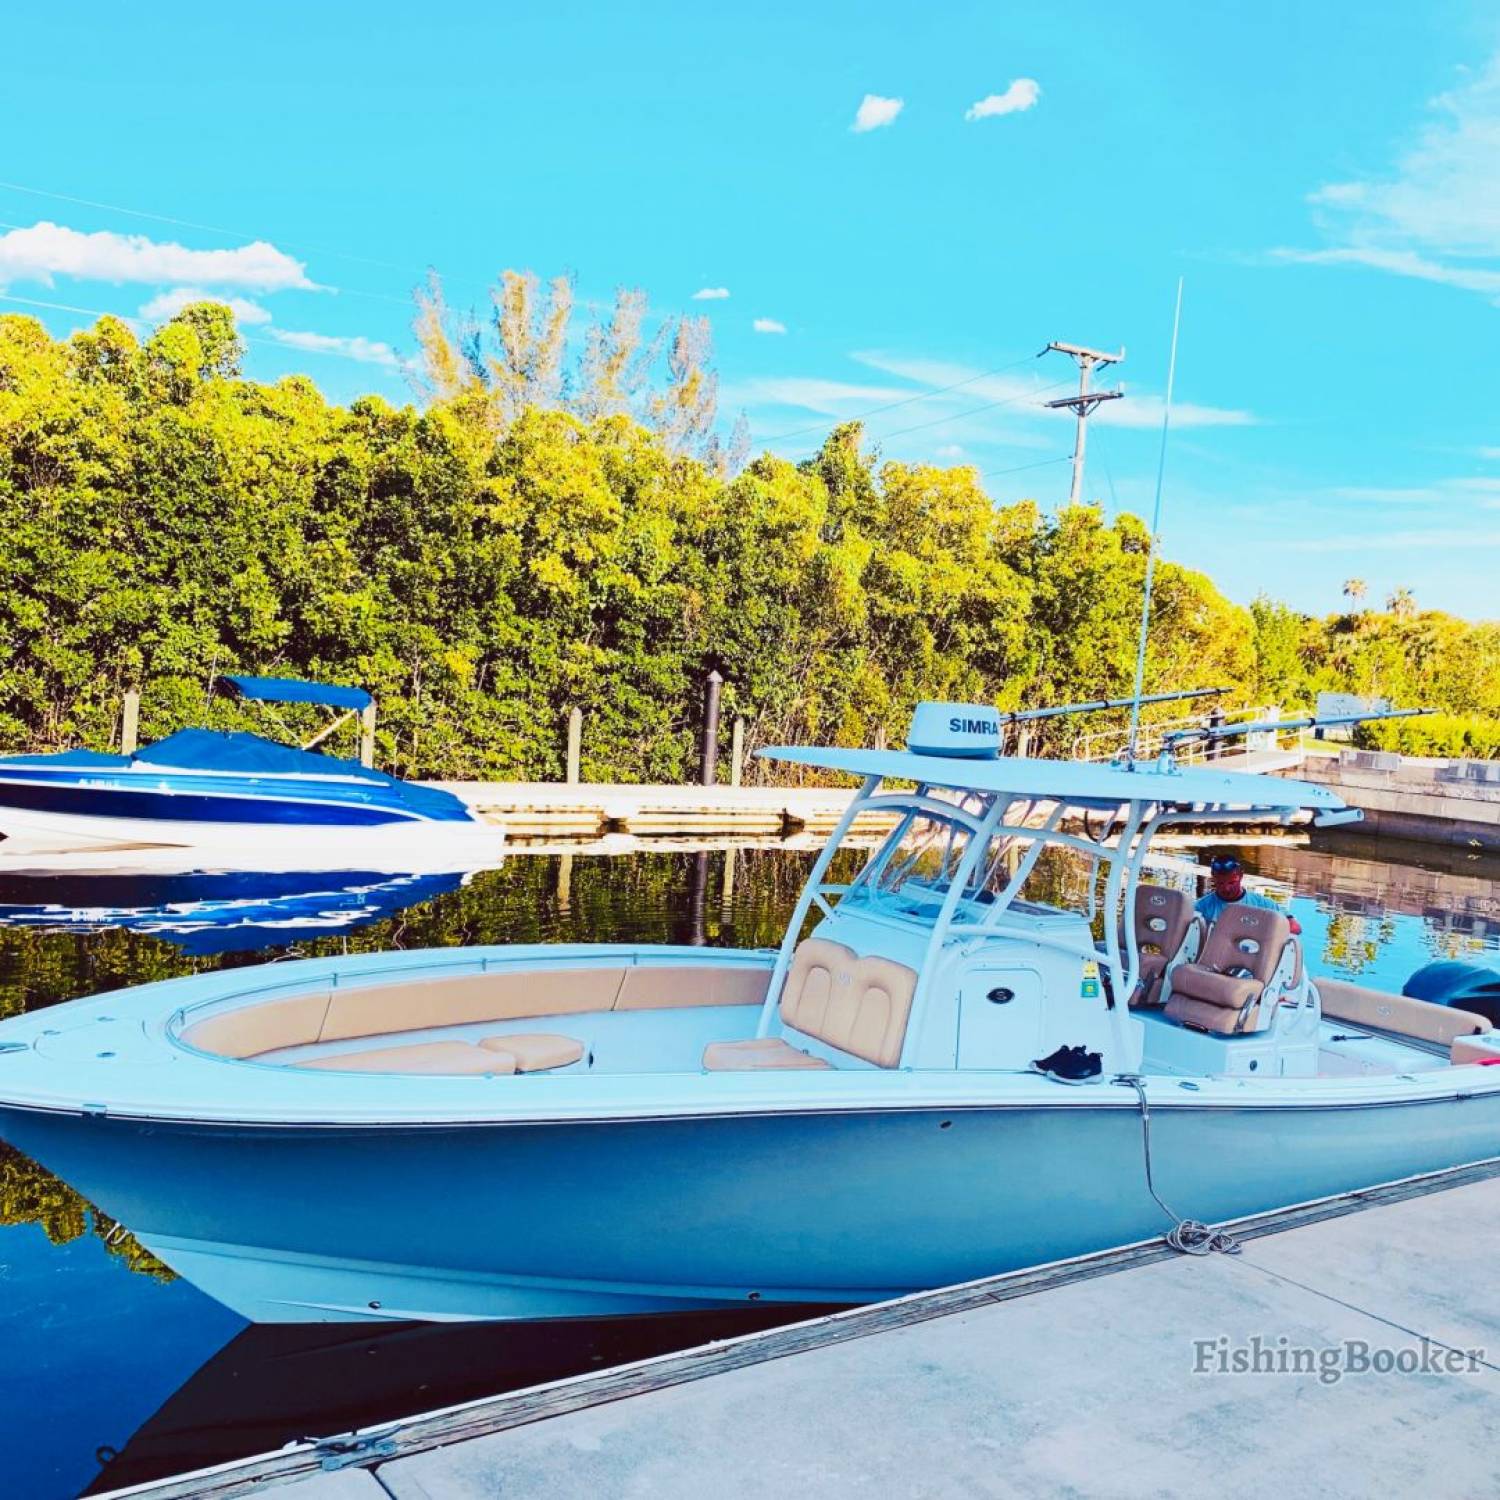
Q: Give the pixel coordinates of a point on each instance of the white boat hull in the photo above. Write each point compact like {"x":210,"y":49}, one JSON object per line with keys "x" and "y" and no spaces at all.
{"x":35,"y":840}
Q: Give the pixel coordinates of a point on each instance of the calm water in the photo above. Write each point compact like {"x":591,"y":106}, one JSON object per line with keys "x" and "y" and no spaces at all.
{"x":112,"y":1372}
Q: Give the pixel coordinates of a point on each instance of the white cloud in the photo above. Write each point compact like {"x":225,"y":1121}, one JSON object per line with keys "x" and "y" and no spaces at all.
{"x":976,"y":388}
{"x":875,"y":111}
{"x":46,"y":250}
{"x":711,"y":294}
{"x":950,"y":450}
{"x":768,"y":325}
{"x":1019,"y":97}
{"x":367,"y":351}
{"x":1399,"y":263}
{"x":168,"y":304}
{"x":1435,"y":215}
{"x":804,"y":393}
{"x":1145,"y":410}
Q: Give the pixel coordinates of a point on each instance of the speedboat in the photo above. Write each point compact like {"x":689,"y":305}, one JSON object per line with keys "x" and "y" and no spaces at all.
{"x":226,"y":791}
{"x":873,"y":1108}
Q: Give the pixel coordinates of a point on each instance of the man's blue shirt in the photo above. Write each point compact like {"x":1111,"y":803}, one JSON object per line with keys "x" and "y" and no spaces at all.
{"x":1211,"y":906}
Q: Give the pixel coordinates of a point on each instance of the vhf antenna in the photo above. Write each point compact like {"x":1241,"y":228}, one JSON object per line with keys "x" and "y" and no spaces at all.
{"x":1161,"y":469}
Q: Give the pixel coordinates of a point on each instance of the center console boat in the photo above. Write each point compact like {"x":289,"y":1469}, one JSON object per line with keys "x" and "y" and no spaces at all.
{"x":580,"y":1130}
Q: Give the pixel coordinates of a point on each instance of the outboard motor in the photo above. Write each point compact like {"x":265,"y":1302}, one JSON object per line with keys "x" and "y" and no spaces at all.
{"x":1473,"y":987}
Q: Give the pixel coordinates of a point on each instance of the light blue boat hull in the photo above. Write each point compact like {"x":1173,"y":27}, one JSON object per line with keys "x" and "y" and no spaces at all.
{"x":526,"y":1220}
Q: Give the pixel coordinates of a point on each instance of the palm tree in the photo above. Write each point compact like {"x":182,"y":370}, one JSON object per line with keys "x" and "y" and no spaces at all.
{"x":1402,"y":604}
{"x":1354,"y":589}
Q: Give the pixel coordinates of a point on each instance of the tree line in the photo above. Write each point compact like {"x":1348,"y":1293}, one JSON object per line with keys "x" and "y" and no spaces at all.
{"x":534,"y":535}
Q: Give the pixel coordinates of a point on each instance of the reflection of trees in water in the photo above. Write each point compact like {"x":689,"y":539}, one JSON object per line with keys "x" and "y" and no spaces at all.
{"x":1448,"y":943}
{"x":1354,"y":941}
{"x":29,"y":1194}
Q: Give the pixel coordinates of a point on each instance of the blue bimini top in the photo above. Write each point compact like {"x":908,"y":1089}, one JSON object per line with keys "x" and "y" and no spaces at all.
{"x":294,"y":690}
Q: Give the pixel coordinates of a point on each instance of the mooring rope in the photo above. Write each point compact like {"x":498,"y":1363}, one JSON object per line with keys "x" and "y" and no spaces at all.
{"x":1190,"y":1236}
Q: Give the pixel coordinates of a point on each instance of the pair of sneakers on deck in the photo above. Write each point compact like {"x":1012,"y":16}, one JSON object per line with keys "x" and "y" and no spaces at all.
{"x":1070,"y":1065}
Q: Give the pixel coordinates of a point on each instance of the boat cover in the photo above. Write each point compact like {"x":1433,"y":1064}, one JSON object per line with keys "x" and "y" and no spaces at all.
{"x":236,"y":750}
{"x":294,"y":690}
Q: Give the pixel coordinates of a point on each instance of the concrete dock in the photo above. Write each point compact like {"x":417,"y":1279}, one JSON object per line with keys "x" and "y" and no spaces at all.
{"x":1412,"y":797}
{"x":532,"y":809}
{"x":1369,"y":1325}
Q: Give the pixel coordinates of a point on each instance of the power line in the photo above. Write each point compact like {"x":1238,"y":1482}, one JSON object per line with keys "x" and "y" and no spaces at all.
{"x":1021,"y":468}
{"x":973,"y":411}
{"x":942,"y":390}
{"x":249,"y":338}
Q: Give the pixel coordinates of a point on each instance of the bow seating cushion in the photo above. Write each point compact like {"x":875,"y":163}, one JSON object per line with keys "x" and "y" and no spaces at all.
{"x":761,"y":1052}
{"x":535,"y":1051}
{"x":416,"y":1057}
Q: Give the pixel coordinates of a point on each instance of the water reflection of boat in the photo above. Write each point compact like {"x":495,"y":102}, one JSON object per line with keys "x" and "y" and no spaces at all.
{"x":537,"y":1131}
{"x":231,"y":792}
{"x":273,"y":1385}
{"x":217,"y":912}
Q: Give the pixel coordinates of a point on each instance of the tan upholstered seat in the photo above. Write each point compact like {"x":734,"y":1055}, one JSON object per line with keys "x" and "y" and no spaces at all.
{"x":1225,"y":990}
{"x":464,"y":999}
{"x":417,"y":1057}
{"x":535,"y":1051}
{"x":856,"y":1005}
{"x":761,"y":1052}
{"x":1361,"y":1006}
{"x":1163,"y":918}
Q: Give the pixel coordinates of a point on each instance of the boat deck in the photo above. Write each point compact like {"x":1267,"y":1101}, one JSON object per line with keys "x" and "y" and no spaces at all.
{"x":1077,"y":1378}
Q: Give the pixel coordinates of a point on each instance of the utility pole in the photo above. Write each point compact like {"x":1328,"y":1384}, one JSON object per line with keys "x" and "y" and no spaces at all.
{"x":1084,"y":402}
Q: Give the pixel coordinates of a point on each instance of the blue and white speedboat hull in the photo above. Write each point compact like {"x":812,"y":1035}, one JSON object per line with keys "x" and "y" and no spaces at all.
{"x":232,"y":793}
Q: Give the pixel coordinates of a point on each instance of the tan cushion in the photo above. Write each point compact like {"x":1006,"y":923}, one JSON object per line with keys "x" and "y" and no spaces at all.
{"x":260,"y":1027}
{"x":1197,"y":983}
{"x":762,"y":1052}
{"x":1362,"y":1006}
{"x":1245,"y":937}
{"x":859,"y":1005}
{"x":535,"y":1051}
{"x":1162,"y":917}
{"x":1203,"y":1015}
{"x":662,"y":988}
{"x":417,"y":1057}
{"x":460,"y":1001}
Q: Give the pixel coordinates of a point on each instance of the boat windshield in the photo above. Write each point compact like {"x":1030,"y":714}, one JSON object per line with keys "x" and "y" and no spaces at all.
{"x":918,"y":861}
{"x":913,"y":868}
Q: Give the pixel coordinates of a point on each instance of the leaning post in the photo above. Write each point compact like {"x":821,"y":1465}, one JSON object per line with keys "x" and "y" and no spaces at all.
{"x":130,"y":721}
{"x":575,"y":745}
{"x":711,"y":728}
{"x":367,"y":735}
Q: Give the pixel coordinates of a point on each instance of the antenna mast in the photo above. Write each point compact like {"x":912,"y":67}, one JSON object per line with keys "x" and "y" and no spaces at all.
{"x":1084,"y":402}
{"x":1161,"y":469}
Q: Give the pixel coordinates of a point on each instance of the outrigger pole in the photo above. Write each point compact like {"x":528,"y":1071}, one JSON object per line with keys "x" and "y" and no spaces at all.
{"x":1099,"y":705}
{"x":1161,"y":470}
{"x":1213,"y":732}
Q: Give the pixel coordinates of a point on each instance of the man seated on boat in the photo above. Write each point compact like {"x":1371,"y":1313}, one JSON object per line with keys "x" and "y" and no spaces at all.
{"x":1227,"y":877}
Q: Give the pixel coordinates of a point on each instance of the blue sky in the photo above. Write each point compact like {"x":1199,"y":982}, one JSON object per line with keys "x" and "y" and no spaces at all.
{"x":1326,"y":179}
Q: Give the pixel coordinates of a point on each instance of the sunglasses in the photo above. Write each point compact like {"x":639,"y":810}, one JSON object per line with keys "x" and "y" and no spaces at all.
{"x":1222,"y":866}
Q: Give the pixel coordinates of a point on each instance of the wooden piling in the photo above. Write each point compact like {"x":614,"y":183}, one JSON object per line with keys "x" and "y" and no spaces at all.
{"x":575,"y":745}
{"x":130,"y":718}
